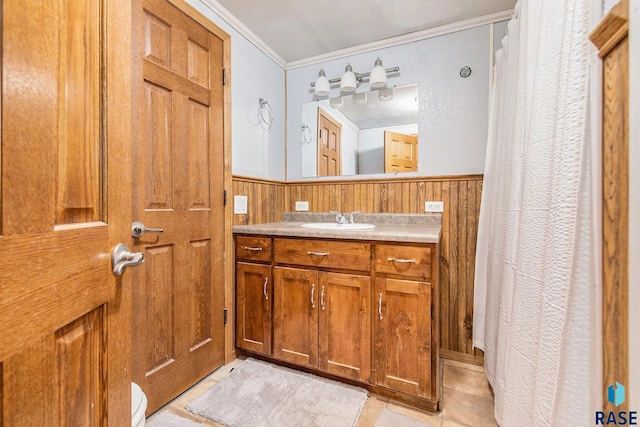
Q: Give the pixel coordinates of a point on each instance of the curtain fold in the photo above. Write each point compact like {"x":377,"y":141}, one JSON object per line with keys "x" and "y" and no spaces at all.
{"x":535,"y":255}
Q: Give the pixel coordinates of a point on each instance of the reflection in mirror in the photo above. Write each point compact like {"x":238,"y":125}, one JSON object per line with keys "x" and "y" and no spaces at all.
{"x":364,"y":133}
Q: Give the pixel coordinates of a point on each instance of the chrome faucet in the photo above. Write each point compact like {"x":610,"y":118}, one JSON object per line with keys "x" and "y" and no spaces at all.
{"x":342,"y":218}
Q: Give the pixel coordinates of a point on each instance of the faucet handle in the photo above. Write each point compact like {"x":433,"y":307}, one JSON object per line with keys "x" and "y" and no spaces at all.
{"x":338,"y":215}
{"x":352,"y":214}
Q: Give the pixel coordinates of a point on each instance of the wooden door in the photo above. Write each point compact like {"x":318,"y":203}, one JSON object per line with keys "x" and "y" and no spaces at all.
{"x":254,"y":296}
{"x":295,"y":315}
{"x":402,"y":336}
{"x":178,"y":298}
{"x":344,"y":325}
{"x":65,"y":202}
{"x":329,"y":131}
{"x":400,"y":152}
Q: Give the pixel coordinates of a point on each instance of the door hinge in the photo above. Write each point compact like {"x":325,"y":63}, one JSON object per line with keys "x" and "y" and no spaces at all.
{"x":224,"y":76}
{"x":225,"y":198}
{"x":320,"y":134}
{"x":225,"y":316}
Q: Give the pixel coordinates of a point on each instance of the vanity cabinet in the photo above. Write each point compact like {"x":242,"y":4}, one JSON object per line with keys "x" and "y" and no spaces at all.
{"x":254,"y":294}
{"x":321,"y":318}
{"x":405,"y":354}
{"x":359,"y":310}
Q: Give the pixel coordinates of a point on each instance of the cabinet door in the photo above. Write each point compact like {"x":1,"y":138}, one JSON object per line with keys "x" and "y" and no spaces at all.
{"x":402,"y":341}
{"x":344,"y":325}
{"x":295,"y":322}
{"x":253,"y":301}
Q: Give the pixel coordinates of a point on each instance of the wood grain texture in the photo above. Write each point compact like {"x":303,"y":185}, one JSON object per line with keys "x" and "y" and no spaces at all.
{"x":610,"y":36}
{"x":461,"y":196}
{"x":254,"y":297}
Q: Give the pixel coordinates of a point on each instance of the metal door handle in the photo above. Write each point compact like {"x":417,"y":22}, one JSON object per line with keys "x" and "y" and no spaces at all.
{"x":121,"y":258}
{"x":313,"y":291}
{"x":322,"y":298}
{"x":264,"y":288}
{"x":380,"y":306}
{"x":138,"y":229}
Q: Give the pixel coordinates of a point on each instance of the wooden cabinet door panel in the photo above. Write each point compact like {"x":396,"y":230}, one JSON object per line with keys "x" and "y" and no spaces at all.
{"x":295,"y":322}
{"x":402,"y":343}
{"x":254,"y":295}
{"x":344,"y":325}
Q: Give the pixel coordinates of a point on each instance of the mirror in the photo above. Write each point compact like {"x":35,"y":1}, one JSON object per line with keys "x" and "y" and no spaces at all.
{"x":364,"y":133}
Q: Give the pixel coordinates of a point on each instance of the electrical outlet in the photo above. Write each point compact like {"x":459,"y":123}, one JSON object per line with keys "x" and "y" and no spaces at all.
{"x":433,"y":206}
{"x":302,"y":206}
{"x":240,"y":204}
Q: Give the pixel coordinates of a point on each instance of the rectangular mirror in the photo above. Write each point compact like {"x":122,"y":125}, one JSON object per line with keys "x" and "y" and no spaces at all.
{"x":364,"y":133}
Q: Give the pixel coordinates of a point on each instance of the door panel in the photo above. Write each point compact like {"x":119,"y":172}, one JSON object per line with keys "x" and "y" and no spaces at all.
{"x":295,"y":315}
{"x":58,"y":296}
{"x":402,"y":356}
{"x":329,"y":145}
{"x":253,"y":307}
{"x":178,"y":186}
{"x":344,"y":325}
{"x":400,"y":152}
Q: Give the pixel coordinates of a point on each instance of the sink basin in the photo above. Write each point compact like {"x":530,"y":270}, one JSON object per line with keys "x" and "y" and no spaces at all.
{"x":336,"y":226}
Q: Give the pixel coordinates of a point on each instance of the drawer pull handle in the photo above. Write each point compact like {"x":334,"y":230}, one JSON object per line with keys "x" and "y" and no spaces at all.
{"x":380,"y":306}
{"x":403,"y":261}
{"x":313,"y":290}
{"x":248,"y":248}
{"x":264,"y":288}
{"x":318,"y":253}
{"x":322,"y":298}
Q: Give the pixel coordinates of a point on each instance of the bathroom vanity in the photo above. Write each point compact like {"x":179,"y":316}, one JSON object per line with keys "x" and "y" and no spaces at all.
{"x":357,"y":305}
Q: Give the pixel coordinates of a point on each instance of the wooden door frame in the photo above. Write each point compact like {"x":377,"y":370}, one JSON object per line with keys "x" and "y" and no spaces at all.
{"x":229,"y":294}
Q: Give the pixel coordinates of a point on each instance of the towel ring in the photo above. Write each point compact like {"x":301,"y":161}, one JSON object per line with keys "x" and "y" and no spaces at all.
{"x":306,"y":130}
{"x":265,"y":114}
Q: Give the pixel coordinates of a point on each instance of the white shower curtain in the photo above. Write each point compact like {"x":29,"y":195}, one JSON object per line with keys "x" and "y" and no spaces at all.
{"x":534,"y":263}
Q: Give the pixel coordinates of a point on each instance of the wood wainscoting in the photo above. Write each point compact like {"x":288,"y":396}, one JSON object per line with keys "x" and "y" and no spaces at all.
{"x":268,"y":200}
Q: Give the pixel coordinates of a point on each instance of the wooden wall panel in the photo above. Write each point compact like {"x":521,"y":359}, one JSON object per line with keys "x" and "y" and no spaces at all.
{"x":611,"y":39}
{"x":461,"y":196}
{"x":266,"y":200}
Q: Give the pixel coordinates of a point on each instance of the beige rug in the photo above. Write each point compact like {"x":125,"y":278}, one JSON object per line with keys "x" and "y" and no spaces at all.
{"x":168,"y":419}
{"x":389,"y":418}
{"x":261,"y":394}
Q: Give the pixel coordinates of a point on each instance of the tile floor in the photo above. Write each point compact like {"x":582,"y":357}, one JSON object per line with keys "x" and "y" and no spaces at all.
{"x":467,"y":399}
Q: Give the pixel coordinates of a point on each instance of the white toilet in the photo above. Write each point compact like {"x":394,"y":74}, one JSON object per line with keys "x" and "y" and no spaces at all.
{"x":138,"y":406}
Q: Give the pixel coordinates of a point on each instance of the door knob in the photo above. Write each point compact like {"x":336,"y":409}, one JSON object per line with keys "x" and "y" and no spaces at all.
{"x":121,"y":258}
{"x":138,"y":229}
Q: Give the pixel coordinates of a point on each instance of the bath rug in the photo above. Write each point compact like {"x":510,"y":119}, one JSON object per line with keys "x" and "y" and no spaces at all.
{"x":169,"y":419}
{"x":261,"y":394}
{"x":389,"y":418}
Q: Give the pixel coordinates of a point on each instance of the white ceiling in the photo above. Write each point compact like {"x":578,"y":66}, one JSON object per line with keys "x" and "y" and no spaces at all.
{"x":296,"y":30}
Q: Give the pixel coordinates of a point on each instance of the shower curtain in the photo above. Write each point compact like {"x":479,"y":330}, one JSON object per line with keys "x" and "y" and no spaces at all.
{"x":535,"y":257}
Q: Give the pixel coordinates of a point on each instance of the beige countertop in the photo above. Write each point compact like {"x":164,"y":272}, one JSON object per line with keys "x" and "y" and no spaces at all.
{"x":416,"y":228}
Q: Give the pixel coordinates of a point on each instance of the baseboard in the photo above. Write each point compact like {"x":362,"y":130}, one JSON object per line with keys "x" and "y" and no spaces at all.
{"x":462,"y":357}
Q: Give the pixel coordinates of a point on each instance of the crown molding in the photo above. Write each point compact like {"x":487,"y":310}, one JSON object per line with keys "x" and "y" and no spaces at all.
{"x":230,"y":19}
{"x":406,"y":38}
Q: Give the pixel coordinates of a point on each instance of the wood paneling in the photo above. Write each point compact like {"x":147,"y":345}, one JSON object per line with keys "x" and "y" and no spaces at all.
{"x":268,"y":200}
{"x":610,"y":36}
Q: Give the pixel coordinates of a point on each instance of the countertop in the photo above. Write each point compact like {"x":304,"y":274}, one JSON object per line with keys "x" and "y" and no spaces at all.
{"x":410,"y":228}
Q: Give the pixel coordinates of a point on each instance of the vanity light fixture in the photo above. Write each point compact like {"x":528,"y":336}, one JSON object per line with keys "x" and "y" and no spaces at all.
{"x":350,"y":80}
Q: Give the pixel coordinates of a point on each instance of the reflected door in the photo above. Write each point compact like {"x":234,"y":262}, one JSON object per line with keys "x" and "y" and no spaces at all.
{"x":400,"y":152}
{"x":329,"y":160}
{"x":178,"y":297}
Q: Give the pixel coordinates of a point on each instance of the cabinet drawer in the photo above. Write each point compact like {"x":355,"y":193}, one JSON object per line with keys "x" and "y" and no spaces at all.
{"x":322,"y":253}
{"x":253,"y":248}
{"x":414,"y":261}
